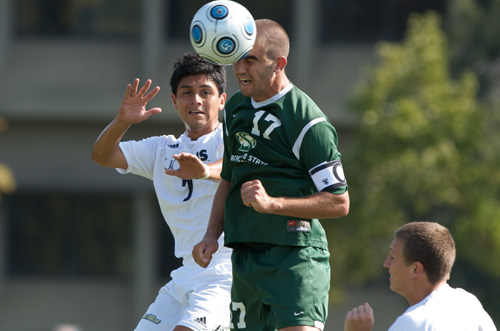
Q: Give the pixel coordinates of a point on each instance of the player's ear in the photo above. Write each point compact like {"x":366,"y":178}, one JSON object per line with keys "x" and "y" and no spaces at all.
{"x":174,"y":100}
{"x":280,"y":64}
{"x":418,"y":269}
{"x":222,"y":100}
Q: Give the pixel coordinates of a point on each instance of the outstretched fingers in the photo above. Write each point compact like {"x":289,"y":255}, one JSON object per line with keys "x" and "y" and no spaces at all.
{"x":151,"y":94}
{"x":131,"y":90}
{"x":144,"y":88}
{"x":127,"y":91}
{"x":133,"y":107}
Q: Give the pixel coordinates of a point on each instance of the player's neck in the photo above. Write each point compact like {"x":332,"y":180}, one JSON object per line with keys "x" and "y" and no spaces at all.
{"x":194,"y":134}
{"x":281,"y":82}
{"x":422,"y":291}
{"x":278,"y":84}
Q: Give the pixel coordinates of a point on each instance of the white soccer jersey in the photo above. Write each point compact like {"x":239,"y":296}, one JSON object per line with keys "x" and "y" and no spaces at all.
{"x":185,"y":204}
{"x":445,"y":309}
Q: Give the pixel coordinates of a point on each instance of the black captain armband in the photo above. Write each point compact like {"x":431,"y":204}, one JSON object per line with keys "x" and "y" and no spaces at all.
{"x":328,"y":175}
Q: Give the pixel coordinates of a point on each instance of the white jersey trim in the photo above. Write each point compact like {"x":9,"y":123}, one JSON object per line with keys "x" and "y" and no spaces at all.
{"x":272,"y":99}
{"x":300,"y":138}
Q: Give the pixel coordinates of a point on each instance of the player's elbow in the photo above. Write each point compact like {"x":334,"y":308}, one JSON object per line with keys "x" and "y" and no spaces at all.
{"x":97,"y":158}
{"x":100,"y":158}
{"x":344,"y":209}
{"x":341,"y":205}
{"x":346,"y":204}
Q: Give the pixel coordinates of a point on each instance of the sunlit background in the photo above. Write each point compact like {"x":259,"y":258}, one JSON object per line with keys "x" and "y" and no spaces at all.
{"x":83,"y":248}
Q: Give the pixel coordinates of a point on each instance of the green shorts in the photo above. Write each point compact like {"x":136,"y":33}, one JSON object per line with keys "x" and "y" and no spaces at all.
{"x":279,"y":286}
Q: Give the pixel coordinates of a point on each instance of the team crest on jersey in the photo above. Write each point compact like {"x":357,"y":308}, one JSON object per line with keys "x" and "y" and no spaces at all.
{"x":247,"y":142}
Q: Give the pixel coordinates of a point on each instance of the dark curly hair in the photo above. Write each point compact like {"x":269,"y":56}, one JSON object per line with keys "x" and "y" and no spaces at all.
{"x":193,"y":64}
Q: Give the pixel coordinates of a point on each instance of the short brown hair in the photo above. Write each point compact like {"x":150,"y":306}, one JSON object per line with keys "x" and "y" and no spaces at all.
{"x":430,"y":244}
{"x":273,"y":37}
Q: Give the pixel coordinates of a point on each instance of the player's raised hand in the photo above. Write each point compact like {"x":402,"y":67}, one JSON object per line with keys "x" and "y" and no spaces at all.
{"x":133,"y":107}
{"x":359,"y":319}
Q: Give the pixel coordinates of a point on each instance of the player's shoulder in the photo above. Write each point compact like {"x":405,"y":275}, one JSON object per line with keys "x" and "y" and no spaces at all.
{"x":305,"y":112}
{"x":462,"y":297}
{"x":156,"y":143}
{"x":302,"y":104}
{"x":163,"y":139}
{"x":296,"y":94}
{"x":404,"y":322}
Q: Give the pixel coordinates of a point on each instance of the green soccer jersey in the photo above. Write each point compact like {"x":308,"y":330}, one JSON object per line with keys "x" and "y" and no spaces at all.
{"x":289,"y":144}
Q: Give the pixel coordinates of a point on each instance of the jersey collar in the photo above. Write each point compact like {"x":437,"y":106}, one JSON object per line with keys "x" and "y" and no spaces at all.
{"x":272,"y":99}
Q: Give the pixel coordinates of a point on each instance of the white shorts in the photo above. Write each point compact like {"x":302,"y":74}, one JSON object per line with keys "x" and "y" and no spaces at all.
{"x":196,"y":298}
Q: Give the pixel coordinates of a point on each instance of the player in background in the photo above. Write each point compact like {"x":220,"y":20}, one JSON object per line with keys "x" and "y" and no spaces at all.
{"x":185,"y":171}
{"x":420,"y":260}
{"x":281,"y":172}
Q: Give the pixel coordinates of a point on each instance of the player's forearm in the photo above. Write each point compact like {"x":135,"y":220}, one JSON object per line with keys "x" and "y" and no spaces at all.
{"x":216,"y":221}
{"x":320,"y":205}
{"x":107,"y":145}
{"x":215,"y":169}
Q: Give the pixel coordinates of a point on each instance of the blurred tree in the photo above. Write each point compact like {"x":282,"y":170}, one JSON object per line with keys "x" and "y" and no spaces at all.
{"x":473,"y":27}
{"x":423,"y":151}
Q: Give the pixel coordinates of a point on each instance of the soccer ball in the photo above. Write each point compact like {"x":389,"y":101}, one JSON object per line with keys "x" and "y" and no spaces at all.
{"x":223,"y":32}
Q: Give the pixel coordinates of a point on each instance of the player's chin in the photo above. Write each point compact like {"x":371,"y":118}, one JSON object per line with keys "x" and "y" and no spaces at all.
{"x":246,"y":90}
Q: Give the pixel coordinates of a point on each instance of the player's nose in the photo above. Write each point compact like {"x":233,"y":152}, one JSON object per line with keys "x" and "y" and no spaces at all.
{"x":386,"y":263}
{"x":239,"y":67}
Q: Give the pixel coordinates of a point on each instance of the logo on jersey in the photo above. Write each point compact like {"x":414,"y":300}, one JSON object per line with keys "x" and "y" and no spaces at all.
{"x":152,"y":318}
{"x":298,"y":226}
{"x":247,"y":142}
{"x":202,"y":321}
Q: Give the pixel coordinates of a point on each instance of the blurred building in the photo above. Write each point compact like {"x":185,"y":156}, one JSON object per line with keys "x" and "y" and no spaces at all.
{"x":82,"y":246}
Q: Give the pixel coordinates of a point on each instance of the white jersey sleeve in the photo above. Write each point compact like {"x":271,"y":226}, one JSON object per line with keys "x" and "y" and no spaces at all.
{"x":140,"y":155}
